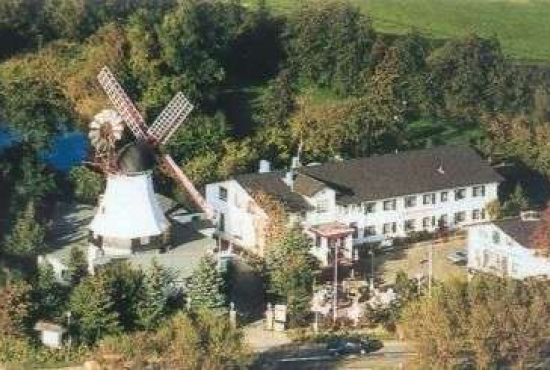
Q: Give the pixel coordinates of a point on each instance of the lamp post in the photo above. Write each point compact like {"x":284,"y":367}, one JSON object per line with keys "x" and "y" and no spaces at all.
{"x":371,"y":253}
{"x":335,"y":283}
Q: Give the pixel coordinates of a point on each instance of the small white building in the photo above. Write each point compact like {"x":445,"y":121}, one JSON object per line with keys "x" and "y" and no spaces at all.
{"x":505,"y":248}
{"x":51,"y":335}
{"x":353,"y":202}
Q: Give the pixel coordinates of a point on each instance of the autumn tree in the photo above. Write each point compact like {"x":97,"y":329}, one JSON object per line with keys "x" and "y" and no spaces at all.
{"x":541,"y":235}
{"x":271,"y":219}
{"x":15,"y":309}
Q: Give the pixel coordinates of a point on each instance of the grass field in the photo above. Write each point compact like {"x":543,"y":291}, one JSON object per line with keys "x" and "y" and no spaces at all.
{"x":523,"y":26}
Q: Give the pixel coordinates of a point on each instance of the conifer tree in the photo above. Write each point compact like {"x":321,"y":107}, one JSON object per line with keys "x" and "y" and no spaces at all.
{"x":206,"y":288}
{"x":27,"y":236}
{"x":77,"y":267}
{"x":94,"y":309}
{"x":157,"y":289}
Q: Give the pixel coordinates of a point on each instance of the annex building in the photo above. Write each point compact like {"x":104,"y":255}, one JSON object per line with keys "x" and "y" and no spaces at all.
{"x":505,"y":248}
{"x":352,"y":202}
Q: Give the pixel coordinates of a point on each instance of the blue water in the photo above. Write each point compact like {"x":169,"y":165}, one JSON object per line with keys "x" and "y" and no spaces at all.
{"x":68,"y":149}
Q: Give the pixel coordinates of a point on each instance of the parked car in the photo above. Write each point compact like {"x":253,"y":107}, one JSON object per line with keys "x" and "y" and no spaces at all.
{"x":347,"y":346}
{"x":458,"y":257}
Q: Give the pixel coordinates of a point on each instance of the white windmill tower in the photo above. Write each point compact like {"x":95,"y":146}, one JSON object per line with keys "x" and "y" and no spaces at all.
{"x":129,"y":218}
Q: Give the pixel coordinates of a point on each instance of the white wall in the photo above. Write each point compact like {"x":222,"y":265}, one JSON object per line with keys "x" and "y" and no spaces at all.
{"x":239,"y":221}
{"x":356,"y":213}
{"x":237,"y":210}
{"x":492,"y":251}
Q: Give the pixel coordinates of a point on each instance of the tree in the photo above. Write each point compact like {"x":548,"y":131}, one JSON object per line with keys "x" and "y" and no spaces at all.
{"x":328,"y":44}
{"x":48,"y":295}
{"x":206,"y":286}
{"x":87,"y":184}
{"x":198,"y":341}
{"x":541,"y":235}
{"x":291,"y":270}
{"x":27,"y":235}
{"x":77,"y":266}
{"x":15,"y":310}
{"x":516,"y":202}
{"x":498,"y":322}
{"x":158,"y":286}
{"x":94,"y":310}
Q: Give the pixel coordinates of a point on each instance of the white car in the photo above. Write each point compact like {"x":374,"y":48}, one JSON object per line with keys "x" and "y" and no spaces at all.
{"x":458,"y":257}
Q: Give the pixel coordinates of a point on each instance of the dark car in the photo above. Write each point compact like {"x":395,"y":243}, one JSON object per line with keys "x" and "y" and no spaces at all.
{"x":346,"y":346}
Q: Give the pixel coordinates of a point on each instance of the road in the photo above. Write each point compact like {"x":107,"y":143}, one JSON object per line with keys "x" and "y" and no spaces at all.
{"x":393,"y":355}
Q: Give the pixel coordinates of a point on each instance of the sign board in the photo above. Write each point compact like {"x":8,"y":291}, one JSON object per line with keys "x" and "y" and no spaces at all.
{"x":280,"y":313}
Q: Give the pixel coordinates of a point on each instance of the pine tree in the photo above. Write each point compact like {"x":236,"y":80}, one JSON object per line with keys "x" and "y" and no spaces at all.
{"x":94,"y":310}
{"x":516,"y":203}
{"x":206,"y":287}
{"x":48,"y":294}
{"x":77,"y":267}
{"x":27,"y":236}
{"x":154,"y":304}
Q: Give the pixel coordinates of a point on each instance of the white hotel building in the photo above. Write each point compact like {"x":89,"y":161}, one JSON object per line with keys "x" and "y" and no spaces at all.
{"x":362,"y":200}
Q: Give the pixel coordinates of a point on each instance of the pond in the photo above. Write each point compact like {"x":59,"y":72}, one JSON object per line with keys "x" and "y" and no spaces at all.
{"x":69,"y":149}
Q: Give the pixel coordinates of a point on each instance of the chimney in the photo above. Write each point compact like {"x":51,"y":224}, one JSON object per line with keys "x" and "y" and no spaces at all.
{"x":440,"y":168}
{"x":265,"y":166}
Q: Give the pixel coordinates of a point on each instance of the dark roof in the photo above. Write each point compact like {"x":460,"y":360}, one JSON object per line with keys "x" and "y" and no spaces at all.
{"x":411,"y":172}
{"x":519,"y":230}
{"x":272,"y":184}
{"x":378,"y":177}
{"x":307,"y":186}
{"x":136,"y":157}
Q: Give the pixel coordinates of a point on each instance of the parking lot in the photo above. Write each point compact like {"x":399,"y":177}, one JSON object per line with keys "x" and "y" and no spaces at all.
{"x":413,"y":260}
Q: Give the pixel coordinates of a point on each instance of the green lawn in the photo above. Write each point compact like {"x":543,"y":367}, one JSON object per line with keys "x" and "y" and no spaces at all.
{"x":522,"y":26}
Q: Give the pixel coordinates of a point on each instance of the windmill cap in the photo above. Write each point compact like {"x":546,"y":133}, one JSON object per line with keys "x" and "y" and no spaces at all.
{"x":136,"y":157}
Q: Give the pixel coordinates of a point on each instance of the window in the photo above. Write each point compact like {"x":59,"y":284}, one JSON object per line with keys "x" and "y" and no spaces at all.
{"x":135,"y":243}
{"x":317,"y":241}
{"x":389,"y":205}
{"x":460,"y":217}
{"x":223,"y":194}
{"x":478,"y":191}
{"x":355,"y":234}
{"x":426,"y":222}
{"x":460,"y":194}
{"x":221,"y":224}
{"x":429,"y":198}
{"x":444,"y":196}
{"x":410,"y":201}
{"x":443,"y":221}
{"x":409,"y":225}
{"x":496,"y":237}
{"x":483,"y":213}
{"x":322,"y":206}
{"x":370,"y":207}
{"x":389,"y":228}
{"x":476,"y":214}
{"x":369,"y":231}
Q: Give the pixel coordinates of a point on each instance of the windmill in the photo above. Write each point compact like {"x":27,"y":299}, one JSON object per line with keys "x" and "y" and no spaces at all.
{"x":129,"y":218}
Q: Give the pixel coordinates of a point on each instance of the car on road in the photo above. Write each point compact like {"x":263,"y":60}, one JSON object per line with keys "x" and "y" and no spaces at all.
{"x":458,"y":257}
{"x":348,"y":346}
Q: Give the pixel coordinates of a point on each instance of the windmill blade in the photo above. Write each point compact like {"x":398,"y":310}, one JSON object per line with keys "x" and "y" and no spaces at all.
{"x":122,"y":103}
{"x":186,"y":184}
{"x":170,"y":119}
